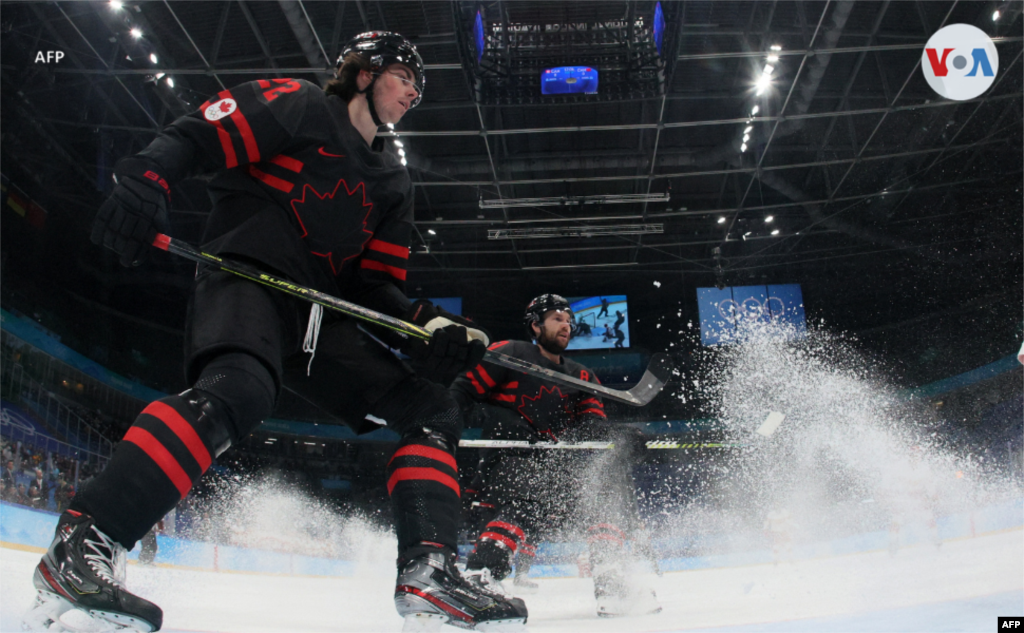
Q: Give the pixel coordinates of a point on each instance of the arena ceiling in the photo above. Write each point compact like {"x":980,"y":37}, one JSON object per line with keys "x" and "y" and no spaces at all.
{"x":846,"y":173}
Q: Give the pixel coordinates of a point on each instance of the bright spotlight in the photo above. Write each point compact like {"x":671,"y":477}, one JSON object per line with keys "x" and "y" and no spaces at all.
{"x":398,"y":143}
{"x":995,"y":15}
{"x":768,"y":69}
{"x":152,"y":57}
{"x":776,"y":47}
{"x":116,"y":5}
{"x":746,"y":137}
{"x":775,"y":232}
{"x":403,"y":161}
{"x":743,"y":147}
{"x":748,"y":129}
{"x":136,"y":32}
{"x":769,"y":218}
{"x":170,"y":82}
{"x":721,"y":220}
{"x":773,"y":58}
{"x":432,"y":231}
{"x":755,"y":110}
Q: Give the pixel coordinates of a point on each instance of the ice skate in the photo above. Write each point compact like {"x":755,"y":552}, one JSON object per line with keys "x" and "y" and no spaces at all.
{"x":431,"y":592}
{"x":483,"y":578}
{"x":80,"y":581}
{"x":523,"y":586}
{"x":617,"y":597}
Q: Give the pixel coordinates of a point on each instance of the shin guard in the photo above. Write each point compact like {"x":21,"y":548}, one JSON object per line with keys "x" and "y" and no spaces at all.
{"x":423,"y":482}
{"x":495,"y":548}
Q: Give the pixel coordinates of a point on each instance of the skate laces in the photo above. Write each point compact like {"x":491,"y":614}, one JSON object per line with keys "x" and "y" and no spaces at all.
{"x":108,"y":559}
{"x":482,"y":579}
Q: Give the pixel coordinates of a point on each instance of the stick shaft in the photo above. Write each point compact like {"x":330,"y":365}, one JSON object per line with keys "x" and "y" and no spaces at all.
{"x":589,"y":446}
{"x":404,"y":329}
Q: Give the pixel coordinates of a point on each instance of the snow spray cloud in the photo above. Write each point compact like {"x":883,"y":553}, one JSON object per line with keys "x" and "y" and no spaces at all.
{"x":851,"y":455}
{"x":268,"y":512}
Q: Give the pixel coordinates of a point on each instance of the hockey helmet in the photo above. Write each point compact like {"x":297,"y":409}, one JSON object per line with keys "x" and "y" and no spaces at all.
{"x":541,"y":305}
{"x":381,"y":49}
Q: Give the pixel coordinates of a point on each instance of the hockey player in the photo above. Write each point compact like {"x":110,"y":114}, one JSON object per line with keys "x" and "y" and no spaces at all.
{"x":301,"y":186}
{"x":529,"y":487}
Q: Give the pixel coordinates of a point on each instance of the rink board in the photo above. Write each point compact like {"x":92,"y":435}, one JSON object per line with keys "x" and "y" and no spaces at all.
{"x":31,"y":529}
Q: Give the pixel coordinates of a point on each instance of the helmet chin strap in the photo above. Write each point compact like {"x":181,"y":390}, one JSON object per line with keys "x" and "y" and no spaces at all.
{"x":368,"y":91}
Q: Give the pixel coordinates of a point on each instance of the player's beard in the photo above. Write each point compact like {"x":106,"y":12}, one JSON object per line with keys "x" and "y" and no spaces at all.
{"x":550,"y":343}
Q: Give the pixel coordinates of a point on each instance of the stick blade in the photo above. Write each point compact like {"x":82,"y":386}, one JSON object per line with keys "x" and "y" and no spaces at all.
{"x":653,"y":381}
{"x":770,"y":424}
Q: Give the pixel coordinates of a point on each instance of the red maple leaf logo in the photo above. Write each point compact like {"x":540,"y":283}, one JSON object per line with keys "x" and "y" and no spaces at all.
{"x":225,"y":106}
{"x":547,"y":410}
{"x":322,"y":217}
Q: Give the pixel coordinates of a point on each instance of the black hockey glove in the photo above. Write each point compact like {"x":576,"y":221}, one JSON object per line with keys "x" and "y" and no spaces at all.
{"x":136,"y":211}
{"x":455,"y":346}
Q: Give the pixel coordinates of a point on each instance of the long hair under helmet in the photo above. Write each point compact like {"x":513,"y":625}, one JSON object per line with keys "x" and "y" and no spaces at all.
{"x":381,"y":49}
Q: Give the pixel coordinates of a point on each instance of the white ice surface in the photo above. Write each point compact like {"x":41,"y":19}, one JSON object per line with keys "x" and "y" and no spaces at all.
{"x":963,"y":586}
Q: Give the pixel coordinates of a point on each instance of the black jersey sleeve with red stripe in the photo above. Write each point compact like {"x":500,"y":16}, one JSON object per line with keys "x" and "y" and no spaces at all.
{"x":240,"y":126}
{"x":488,"y":382}
{"x":588,"y":408}
{"x":382,"y":265}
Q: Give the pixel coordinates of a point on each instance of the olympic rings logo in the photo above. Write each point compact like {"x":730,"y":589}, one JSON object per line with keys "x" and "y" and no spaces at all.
{"x":751,"y":308}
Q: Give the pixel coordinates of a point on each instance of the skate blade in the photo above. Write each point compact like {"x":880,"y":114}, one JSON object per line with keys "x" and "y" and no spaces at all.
{"x":524,"y":590}
{"x":95,"y":621}
{"x":502,"y":626}
{"x":45,"y":614}
{"x":424,"y":622}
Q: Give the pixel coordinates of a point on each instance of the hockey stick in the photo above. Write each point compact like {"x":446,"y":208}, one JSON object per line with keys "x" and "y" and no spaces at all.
{"x":652,"y":444}
{"x":650,"y":384}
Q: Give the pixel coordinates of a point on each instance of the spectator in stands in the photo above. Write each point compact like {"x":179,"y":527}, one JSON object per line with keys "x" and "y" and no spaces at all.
{"x":7,"y":477}
{"x":35,"y":497}
{"x":41,"y":483}
{"x":10,"y":493}
{"x":62,"y":494}
{"x":22,"y":497}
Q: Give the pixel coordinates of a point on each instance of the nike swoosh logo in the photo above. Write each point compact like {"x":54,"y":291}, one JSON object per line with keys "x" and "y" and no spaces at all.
{"x":331,"y":155}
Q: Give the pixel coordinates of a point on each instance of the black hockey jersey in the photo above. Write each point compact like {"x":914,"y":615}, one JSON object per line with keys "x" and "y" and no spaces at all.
{"x":551,"y":410}
{"x":296,"y":187}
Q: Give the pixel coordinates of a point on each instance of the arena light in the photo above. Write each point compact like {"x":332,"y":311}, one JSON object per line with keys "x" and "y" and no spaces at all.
{"x":152,"y":57}
{"x":575,"y":231}
{"x":170,"y":82}
{"x":755,"y":110}
{"x":775,"y":232}
{"x":571,"y":201}
{"x":721,"y":220}
{"x":116,"y":5}
{"x":136,"y":32}
{"x":996,"y":15}
{"x":769,"y":218}
{"x":432,"y":231}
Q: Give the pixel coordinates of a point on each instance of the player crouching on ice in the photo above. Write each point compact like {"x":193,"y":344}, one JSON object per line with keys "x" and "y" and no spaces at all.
{"x":301,"y":186}
{"x":535,"y":492}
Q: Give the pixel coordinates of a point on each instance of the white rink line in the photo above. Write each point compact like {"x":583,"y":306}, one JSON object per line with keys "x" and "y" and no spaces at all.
{"x":963,"y":586}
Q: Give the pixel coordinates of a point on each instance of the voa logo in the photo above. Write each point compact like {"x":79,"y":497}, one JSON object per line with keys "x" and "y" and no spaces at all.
{"x":960,"y":62}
